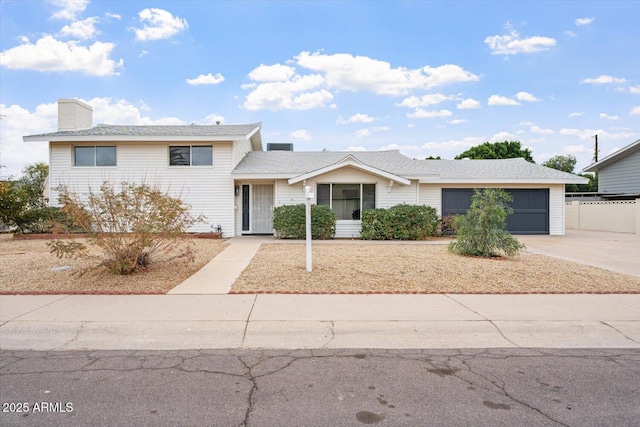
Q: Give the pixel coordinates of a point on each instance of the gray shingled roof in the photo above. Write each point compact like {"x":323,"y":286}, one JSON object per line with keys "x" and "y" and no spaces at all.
{"x":155,"y":130}
{"x":292,"y":163}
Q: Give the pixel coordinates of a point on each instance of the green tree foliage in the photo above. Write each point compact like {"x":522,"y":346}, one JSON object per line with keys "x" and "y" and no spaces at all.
{"x":433,"y":158}
{"x":22,"y":202}
{"x":400,"y":222}
{"x":568,"y":164}
{"x":128,"y":227}
{"x":289,"y":221}
{"x":562,"y":163}
{"x":497,"y":150}
{"x":482,"y":230}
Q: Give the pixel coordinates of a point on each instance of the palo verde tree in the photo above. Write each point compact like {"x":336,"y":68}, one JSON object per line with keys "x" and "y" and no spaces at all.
{"x":482,"y":230}
{"x":497,"y":150}
{"x":129,"y":226}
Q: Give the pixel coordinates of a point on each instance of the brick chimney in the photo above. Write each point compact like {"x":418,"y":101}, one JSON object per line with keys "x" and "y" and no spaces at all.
{"x":74,"y":114}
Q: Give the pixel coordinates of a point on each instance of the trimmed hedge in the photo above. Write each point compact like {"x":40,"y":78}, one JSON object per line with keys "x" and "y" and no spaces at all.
{"x":289,"y":222}
{"x":400,"y":222}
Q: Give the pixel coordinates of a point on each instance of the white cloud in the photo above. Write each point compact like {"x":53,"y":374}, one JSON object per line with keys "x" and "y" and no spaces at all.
{"x":424,"y":114}
{"x":511,"y":43}
{"x":49,"y":54}
{"x":502,"y":136}
{"x":301,"y":134}
{"x":586,"y":134}
{"x":539,"y":130}
{"x":69,"y":9}
{"x":423,"y":101}
{"x":501,"y":100}
{"x":213,"y":119}
{"x":159,"y":24}
{"x":83,"y":30}
{"x":272,"y":73}
{"x":333,"y":106}
{"x":635,"y":110}
{"x":604,"y":79}
{"x":356,"y":118}
{"x":293,"y":94}
{"x":113,"y":15}
{"x":526,"y":96}
{"x":410,"y":125}
{"x":380,"y":128}
{"x":570,"y":33}
{"x":356,"y":148}
{"x":206,"y":79}
{"x":345,"y":71}
{"x":143,"y":53}
{"x":576,"y":114}
{"x":467,"y":104}
{"x":608,"y":117}
{"x":634,"y":89}
{"x":584,"y":21}
{"x":362,"y":133}
{"x":457,"y":121}
{"x":454,"y":144}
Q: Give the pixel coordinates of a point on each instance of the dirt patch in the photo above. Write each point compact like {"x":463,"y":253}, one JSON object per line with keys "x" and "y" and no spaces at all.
{"x":25,"y":267}
{"x":410,"y":268}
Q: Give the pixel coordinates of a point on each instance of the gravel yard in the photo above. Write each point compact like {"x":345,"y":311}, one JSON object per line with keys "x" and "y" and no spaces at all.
{"x":371,"y":267}
{"x":25,"y":267}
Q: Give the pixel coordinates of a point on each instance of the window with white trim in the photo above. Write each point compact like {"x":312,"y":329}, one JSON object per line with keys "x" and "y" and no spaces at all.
{"x":94,"y":155}
{"x":191,"y":155}
{"x":347,"y":201}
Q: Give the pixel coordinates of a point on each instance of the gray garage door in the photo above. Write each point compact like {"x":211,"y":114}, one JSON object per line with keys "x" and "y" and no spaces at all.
{"x":530,"y":208}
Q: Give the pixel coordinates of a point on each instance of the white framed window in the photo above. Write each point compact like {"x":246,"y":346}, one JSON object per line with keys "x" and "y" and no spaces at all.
{"x":347,"y":201}
{"x":190,"y":155}
{"x":98,"y":155}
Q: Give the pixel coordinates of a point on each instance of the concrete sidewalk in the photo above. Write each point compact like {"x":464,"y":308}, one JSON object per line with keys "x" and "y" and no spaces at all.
{"x":167,"y":322}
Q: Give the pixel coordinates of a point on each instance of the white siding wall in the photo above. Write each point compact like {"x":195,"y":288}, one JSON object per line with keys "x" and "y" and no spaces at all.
{"x":208,"y":189}
{"x":240,"y":149}
{"x":431,"y":195}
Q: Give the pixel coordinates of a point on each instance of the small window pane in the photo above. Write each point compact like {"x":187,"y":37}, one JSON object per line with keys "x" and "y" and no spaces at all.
{"x":346,"y":201}
{"x":368,"y":196}
{"x":84,"y":156}
{"x":324,"y":194}
{"x":202,"y":155}
{"x":105,"y":156}
{"x":179,"y":156}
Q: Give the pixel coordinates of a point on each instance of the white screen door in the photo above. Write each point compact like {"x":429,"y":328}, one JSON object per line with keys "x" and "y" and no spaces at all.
{"x":262,"y":209}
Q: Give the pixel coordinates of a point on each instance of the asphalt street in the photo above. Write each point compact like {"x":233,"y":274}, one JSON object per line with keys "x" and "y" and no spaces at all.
{"x":475,"y":387}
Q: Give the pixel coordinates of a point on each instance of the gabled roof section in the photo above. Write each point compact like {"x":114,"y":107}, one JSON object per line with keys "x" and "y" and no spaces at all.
{"x":104,"y":132}
{"x":291,"y":164}
{"x":614,"y":157}
{"x":350,"y":161}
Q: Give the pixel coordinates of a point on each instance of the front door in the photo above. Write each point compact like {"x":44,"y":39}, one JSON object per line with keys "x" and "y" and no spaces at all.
{"x":260,"y":210}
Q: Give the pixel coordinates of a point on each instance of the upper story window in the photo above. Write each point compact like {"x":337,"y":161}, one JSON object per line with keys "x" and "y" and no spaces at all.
{"x":95,"y":156}
{"x":186,"y":155}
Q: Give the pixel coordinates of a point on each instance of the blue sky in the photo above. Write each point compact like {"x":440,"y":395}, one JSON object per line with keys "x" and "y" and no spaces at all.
{"x":427,"y":78}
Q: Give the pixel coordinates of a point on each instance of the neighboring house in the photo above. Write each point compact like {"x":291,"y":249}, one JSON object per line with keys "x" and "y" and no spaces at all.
{"x":619,"y":173}
{"x":224,"y":174}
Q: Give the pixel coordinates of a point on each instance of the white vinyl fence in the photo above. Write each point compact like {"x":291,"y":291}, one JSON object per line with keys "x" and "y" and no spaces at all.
{"x":618,"y":216}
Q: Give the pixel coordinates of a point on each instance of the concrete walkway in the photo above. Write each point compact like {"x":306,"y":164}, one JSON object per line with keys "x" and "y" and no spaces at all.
{"x":166,"y":322}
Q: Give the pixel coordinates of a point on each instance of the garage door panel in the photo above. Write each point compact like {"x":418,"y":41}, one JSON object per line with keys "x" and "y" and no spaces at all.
{"x":531,"y":208}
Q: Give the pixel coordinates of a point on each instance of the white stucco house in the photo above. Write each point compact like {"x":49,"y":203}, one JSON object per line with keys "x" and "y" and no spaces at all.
{"x":225,"y":174}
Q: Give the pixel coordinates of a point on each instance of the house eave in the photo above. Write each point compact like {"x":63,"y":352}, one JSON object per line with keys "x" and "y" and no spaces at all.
{"x":578,"y":180}
{"x":128,"y":138}
{"x":612,"y":158}
{"x":350,"y":161}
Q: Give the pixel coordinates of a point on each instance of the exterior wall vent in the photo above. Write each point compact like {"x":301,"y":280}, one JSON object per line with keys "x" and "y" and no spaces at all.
{"x":280,"y":146}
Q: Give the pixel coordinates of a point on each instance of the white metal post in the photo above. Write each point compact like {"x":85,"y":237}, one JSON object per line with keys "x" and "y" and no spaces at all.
{"x":308,"y":196}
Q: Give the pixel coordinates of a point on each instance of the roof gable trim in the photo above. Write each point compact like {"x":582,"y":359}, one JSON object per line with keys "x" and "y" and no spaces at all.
{"x":354,"y":163}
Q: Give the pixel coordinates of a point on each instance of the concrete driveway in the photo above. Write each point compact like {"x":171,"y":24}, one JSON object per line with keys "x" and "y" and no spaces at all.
{"x":614,"y":251}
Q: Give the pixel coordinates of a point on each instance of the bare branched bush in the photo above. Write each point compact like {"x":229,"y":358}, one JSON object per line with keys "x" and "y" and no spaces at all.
{"x":129,"y":227}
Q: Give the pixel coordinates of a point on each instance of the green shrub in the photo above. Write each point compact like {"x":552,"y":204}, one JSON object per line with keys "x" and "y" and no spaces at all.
{"x":400,"y":222}
{"x":40,"y":220}
{"x":482,"y":230}
{"x":289,"y":222}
